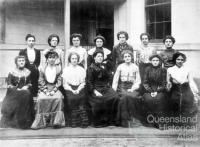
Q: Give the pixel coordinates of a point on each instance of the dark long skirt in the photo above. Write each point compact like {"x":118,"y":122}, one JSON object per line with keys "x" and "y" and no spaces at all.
{"x":104,"y":108}
{"x":154,"y":107}
{"x":76,"y":110}
{"x":129,"y":109}
{"x":17,"y":109}
{"x":129,"y":105}
{"x":182,"y":100}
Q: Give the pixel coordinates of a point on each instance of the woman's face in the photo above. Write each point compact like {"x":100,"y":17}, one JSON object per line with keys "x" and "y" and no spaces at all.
{"x":122,"y":38}
{"x":51,"y":59}
{"x":179,"y":61}
{"x":155,"y":61}
{"x":74,"y":60}
{"x":127,"y":58}
{"x":145,"y":40}
{"x":30,"y":42}
{"x":98,"y":58}
{"x":168,"y":43}
{"x":99,"y":42}
{"x":54,"y":42}
{"x":20,"y":62}
{"x":76,"y":41}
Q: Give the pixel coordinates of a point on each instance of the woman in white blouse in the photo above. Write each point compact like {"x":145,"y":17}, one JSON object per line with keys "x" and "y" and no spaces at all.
{"x":76,"y":40}
{"x":126,"y":82}
{"x":74,"y":84}
{"x":182,"y":86}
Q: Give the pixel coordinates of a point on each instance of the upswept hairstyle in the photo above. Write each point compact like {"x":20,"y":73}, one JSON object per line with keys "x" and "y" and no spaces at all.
{"x":169,"y":37}
{"x":122,"y":32}
{"x":50,"y":38}
{"x":73,"y":53}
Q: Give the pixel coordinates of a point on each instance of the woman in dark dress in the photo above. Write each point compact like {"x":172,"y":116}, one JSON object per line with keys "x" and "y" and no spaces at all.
{"x":167,"y":54}
{"x":17,"y":107}
{"x":155,"y":88}
{"x":74,"y":85}
{"x":126,"y":82}
{"x":102,"y":98}
{"x":182,"y":87}
{"x":32,"y":61}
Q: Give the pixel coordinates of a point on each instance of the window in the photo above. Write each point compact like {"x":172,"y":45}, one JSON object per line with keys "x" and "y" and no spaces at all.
{"x":158,"y":18}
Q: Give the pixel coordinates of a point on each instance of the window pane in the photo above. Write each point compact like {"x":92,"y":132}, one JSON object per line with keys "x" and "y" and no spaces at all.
{"x":166,"y":1}
{"x":149,"y":2}
{"x":159,"y":30}
{"x":167,"y":13}
{"x":167,"y":28}
{"x":151,"y":30}
{"x":150,"y":14}
{"x":159,"y":13}
{"x":162,"y":1}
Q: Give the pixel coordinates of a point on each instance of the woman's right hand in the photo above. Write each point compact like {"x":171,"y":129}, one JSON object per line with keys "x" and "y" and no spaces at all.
{"x":97,"y":93}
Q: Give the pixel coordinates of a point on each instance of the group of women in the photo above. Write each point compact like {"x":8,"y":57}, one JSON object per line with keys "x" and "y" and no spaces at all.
{"x":98,"y":87}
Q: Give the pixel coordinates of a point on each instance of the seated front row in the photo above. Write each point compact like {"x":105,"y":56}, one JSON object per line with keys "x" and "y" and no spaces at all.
{"x":89,"y":96}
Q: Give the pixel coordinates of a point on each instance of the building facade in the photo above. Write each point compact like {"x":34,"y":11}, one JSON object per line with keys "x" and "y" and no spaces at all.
{"x":180,"y":18}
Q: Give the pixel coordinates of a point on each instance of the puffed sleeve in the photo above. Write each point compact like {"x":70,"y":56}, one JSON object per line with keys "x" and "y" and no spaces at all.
{"x":137,"y":83}
{"x":90,"y":80}
{"x":82,"y":80}
{"x":146,"y":83}
{"x":10,"y":80}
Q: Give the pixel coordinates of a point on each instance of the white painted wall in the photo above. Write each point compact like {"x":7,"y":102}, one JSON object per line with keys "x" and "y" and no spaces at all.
{"x":186,"y":21}
{"x":130,"y":16}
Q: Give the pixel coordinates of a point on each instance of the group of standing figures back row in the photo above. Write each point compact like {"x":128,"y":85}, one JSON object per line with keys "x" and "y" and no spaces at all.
{"x":99,"y":86}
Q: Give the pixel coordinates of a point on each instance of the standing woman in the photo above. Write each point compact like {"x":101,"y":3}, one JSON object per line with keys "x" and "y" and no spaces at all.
{"x":76,"y":40}
{"x":74,"y":85}
{"x":102,"y":98}
{"x":182,"y":87}
{"x":32,"y":61}
{"x":17,"y":107}
{"x":143,"y":53}
{"x":53,"y":41}
{"x":155,"y":88}
{"x":126,"y":82}
{"x":118,"y":49}
{"x":99,"y":42}
{"x":167,"y":54}
{"x":50,"y":100}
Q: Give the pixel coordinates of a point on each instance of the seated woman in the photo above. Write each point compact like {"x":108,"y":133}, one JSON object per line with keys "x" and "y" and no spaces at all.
{"x":103,"y":99}
{"x":74,"y":85}
{"x":17,"y":107}
{"x":50,"y":100}
{"x":126,"y":82}
{"x":155,"y":88}
{"x":182,"y":87}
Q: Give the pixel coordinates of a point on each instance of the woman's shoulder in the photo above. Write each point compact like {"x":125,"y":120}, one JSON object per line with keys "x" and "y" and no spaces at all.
{"x":91,"y":51}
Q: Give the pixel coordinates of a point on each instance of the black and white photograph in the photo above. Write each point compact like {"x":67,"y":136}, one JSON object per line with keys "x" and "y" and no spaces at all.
{"x":99,"y":73}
